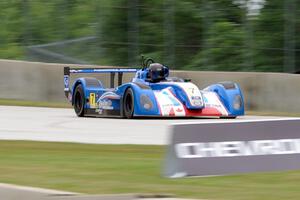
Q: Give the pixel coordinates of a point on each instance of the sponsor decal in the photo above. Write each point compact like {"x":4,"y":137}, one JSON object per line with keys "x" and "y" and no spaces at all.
{"x":191,"y":90}
{"x":66,"y":82}
{"x":105,"y":101}
{"x":93,"y":100}
{"x":75,"y":71}
{"x":211,"y":100}
{"x":204,"y":149}
{"x":168,"y":109}
{"x":213,"y":105}
{"x":110,"y":95}
{"x":205,"y":100}
{"x":174,"y":101}
{"x":179,"y":110}
{"x":105,"y":104}
{"x":169,"y":105}
{"x":237,"y":148}
{"x":172,"y":112}
{"x":196,"y":100}
{"x":101,"y":70}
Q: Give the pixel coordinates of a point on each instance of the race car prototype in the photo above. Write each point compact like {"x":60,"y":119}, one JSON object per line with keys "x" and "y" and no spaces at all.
{"x":151,"y":93}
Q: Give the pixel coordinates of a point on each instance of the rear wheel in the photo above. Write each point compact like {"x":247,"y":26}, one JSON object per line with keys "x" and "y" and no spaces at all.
{"x":79,"y":101}
{"x":128,"y":104}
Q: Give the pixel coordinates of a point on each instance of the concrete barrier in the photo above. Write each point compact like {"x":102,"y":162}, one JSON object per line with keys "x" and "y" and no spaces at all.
{"x":262,"y":91}
{"x":44,"y":82}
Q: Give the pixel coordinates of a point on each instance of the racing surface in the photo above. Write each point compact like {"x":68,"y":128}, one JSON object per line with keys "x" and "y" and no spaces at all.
{"x":62,"y":125}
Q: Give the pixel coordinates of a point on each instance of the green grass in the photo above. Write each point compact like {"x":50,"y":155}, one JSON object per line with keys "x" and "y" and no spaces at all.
{"x":14,"y":102}
{"x":114,"y":169}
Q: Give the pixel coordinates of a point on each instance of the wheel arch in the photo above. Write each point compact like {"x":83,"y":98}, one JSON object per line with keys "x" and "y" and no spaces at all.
{"x":76,"y":83}
{"x":123,"y":90}
{"x":227,"y":92}
{"x":86,"y":82}
{"x":140,"y":90}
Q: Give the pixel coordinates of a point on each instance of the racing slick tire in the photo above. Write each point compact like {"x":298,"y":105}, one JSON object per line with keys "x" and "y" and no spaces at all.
{"x":79,"y":101}
{"x":128,"y":104}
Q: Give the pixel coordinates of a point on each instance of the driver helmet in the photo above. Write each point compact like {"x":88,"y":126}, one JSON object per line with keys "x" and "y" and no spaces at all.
{"x":158,"y":72}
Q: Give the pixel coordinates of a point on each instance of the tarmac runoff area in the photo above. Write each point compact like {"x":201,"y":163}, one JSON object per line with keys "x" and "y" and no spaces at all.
{"x":62,"y":125}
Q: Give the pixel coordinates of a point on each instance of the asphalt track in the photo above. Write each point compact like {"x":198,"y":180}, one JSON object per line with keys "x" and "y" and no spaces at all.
{"x":62,"y":125}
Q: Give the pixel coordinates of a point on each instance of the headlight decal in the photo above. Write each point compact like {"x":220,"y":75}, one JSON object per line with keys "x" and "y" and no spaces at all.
{"x":237,"y":102}
{"x":146,"y":102}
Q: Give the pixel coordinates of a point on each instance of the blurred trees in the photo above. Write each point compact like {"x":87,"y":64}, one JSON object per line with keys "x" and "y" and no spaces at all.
{"x":189,"y":34}
{"x":11,"y":30}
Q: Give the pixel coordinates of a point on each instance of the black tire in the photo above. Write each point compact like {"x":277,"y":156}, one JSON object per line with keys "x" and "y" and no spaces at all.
{"x":79,"y":101}
{"x":128,"y":104}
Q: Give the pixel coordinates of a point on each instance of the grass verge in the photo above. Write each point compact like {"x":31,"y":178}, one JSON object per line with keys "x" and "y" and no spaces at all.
{"x":272,"y":113}
{"x":114,"y":169}
{"x":14,"y":102}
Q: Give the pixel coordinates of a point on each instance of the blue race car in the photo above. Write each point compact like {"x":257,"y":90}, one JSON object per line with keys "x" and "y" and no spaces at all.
{"x":151,"y":93}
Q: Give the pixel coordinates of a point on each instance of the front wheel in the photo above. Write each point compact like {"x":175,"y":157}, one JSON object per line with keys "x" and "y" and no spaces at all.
{"x":128,"y":104}
{"x":79,"y":101}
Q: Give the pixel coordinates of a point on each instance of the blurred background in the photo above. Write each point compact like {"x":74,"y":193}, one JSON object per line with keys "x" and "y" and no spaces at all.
{"x":215,"y":35}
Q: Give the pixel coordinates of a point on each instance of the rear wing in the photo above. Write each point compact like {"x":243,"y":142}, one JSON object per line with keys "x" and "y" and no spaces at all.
{"x":68,"y":71}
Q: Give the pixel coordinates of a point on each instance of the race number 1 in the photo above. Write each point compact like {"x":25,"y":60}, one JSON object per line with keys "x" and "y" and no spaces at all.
{"x":92,"y":100}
